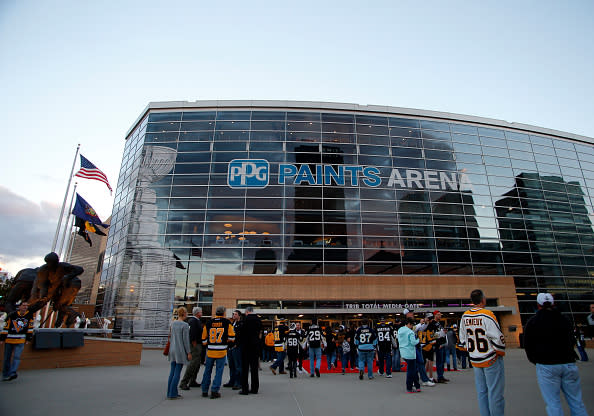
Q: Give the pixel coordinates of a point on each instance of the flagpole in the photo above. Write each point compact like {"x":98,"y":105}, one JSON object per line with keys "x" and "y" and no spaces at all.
{"x":68,"y":229}
{"x":71,"y":244}
{"x":65,"y":198}
{"x":187,"y":275}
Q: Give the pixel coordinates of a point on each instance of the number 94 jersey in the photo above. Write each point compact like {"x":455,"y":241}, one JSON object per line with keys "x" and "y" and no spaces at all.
{"x":484,"y":340}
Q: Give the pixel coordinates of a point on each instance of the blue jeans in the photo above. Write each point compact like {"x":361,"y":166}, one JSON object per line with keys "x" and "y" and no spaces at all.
{"x":10,"y":367}
{"x":234,"y":357}
{"x":421,"y":364}
{"x":216,"y":383}
{"x":315,"y":355}
{"x":463,"y":355}
{"x":412,"y":376}
{"x":490,"y":383}
{"x":556,"y":378}
{"x":451,"y":351}
{"x":330,"y":357}
{"x":266,"y":354}
{"x":396,"y":360}
{"x":366,"y":357}
{"x":345,"y":360}
{"x":384,"y":358}
{"x":583,"y":353}
{"x":173,"y":381}
{"x":440,"y":354}
{"x":280,"y":361}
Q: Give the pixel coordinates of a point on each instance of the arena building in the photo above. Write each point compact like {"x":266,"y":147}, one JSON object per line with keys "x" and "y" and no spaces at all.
{"x":344,"y":211}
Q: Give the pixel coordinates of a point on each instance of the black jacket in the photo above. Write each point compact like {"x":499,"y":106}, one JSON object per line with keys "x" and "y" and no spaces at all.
{"x":195,"y":330}
{"x":250,"y":332}
{"x":548,"y":338}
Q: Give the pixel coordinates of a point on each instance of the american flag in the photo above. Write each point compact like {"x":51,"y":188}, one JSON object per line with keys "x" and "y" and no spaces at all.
{"x":90,"y":171}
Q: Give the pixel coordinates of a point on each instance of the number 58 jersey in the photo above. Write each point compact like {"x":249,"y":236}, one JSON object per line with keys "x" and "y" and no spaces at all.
{"x":484,"y":340}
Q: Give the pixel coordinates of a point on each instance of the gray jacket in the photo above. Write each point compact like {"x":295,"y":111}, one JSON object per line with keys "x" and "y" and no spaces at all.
{"x":180,"y":342}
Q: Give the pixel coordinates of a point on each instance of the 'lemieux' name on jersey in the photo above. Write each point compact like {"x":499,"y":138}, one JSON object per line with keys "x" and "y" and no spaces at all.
{"x":484,"y":340}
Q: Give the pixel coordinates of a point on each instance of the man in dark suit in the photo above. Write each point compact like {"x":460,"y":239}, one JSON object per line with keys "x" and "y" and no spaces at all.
{"x":250,"y":351}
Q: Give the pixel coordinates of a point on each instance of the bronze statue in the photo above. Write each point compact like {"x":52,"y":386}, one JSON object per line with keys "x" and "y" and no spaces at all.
{"x":55,"y":281}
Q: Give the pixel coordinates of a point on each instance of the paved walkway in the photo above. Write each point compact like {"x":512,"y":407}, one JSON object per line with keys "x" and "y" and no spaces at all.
{"x":140,"y":390}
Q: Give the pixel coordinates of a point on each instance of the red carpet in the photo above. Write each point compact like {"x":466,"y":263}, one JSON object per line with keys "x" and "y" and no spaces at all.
{"x":338,"y":369}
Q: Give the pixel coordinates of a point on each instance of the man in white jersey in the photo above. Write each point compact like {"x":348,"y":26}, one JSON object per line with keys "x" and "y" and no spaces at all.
{"x":485,"y":343}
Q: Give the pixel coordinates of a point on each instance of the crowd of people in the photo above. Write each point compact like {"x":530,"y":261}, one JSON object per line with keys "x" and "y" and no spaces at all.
{"x":416,"y":346}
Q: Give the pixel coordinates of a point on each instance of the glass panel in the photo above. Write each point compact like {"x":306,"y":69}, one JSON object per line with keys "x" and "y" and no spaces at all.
{"x":404,"y":122}
{"x":435,"y":125}
{"x":463,"y":128}
{"x":201,"y":115}
{"x":233,"y":115}
{"x":165,"y":116}
{"x":268,"y":115}
{"x":483,"y":131}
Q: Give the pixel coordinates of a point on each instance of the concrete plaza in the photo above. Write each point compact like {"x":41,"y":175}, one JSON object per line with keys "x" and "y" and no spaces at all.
{"x":140,"y":390}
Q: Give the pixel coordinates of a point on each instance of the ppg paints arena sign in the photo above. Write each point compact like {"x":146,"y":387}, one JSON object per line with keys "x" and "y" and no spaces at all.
{"x":255,"y":173}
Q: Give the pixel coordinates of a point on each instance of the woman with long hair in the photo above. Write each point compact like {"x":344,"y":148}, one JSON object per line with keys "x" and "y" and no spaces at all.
{"x":179,"y":351}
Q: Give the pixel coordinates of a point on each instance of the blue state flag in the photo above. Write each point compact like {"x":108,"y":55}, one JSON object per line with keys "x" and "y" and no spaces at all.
{"x":83,"y":210}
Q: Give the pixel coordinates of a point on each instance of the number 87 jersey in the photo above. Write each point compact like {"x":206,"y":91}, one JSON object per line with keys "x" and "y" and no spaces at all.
{"x":484,"y":340}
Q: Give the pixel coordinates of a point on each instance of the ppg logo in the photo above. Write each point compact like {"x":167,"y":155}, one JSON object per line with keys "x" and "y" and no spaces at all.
{"x":246,"y":173}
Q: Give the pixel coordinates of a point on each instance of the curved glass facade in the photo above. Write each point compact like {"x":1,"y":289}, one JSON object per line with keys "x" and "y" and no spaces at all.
{"x":280,"y":190}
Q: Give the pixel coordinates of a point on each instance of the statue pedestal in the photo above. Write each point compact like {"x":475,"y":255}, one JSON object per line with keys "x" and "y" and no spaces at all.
{"x":96,"y":352}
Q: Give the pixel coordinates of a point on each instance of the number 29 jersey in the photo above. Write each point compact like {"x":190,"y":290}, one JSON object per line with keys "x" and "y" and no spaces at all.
{"x":484,"y":340}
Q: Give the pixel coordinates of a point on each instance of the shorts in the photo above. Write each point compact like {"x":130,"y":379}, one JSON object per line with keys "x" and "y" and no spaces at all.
{"x":429,"y":355}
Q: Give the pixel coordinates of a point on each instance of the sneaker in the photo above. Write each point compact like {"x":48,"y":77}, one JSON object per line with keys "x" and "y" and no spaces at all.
{"x":360,"y":375}
{"x":204,"y":394}
{"x":443,"y":380}
{"x":5,"y":378}
{"x":311,"y":375}
{"x":184,"y":387}
{"x":428,"y":383}
{"x":388,"y":375}
{"x":411,"y":391}
{"x":371,"y":378}
{"x":273,"y":370}
{"x":194,"y":384}
{"x":215,"y":395}
{"x":282,"y":372}
{"x":418,"y":390}
{"x":317,"y":373}
{"x":227,"y":385}
{"x":12,"y":377}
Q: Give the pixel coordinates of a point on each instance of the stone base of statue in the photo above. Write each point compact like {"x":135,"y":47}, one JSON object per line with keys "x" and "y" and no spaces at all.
{"x":61,"y":348}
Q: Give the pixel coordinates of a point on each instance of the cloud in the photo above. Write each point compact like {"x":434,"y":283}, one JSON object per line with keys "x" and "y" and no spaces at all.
{"x":27,"y":230}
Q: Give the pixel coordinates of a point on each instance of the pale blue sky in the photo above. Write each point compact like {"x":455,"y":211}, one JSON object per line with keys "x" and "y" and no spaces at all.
{"x":81,"y":72}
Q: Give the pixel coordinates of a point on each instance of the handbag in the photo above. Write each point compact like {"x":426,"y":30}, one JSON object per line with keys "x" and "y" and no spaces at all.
{"x":166,"y":349}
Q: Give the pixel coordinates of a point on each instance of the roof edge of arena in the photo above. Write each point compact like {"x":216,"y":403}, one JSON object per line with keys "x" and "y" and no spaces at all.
{"x":352,"y":108}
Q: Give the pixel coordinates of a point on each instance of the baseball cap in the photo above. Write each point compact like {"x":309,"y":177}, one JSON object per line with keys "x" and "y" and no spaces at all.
{"x":406,"y":311}
{"x":454,"y":326}
{"x":429,"y":315}
{"x":542,"y":298}
{"x":435,"y":312}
